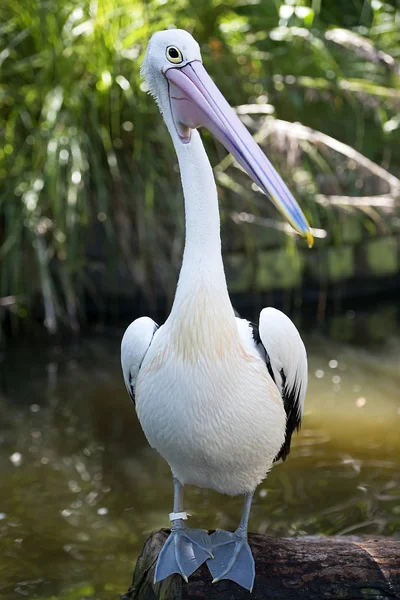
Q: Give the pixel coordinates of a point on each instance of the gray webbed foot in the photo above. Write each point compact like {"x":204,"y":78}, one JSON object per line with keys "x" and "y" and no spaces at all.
{"x":183,"y":552}
{"x":232,"y":558}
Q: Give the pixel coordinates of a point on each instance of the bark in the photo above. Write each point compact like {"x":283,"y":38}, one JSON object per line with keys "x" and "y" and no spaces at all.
{"x":308,"y":568}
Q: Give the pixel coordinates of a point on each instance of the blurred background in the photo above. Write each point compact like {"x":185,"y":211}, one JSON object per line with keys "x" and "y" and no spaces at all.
{"x":91,"y":237}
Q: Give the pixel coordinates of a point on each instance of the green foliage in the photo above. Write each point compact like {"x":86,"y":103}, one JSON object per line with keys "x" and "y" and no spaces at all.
{"x":87,"y":175}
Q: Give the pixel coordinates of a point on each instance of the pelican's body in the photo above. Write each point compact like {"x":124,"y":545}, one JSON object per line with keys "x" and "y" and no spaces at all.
{"x":220,"y":420}
{"x":217,"y":396}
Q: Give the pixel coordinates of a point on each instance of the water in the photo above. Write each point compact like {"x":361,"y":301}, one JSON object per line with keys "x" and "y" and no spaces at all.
{"x":81,"y":489}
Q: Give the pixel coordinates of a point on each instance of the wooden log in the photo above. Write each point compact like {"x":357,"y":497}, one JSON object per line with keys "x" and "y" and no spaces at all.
{"x":307,"y":568}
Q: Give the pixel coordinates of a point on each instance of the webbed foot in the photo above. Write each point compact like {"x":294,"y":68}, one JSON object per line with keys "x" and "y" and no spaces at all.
{"x":183,"y":552}
{"x":232,"y":558}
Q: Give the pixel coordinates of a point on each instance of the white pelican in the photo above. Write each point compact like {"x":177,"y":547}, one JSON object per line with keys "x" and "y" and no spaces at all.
{"x":217,"y":396}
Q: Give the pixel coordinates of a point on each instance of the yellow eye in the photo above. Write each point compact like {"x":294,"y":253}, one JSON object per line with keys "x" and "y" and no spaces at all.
{"x":174,"y":55}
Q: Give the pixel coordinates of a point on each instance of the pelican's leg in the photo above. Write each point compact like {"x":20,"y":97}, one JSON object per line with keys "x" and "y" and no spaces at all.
{"x":185,"y":549}
{"x":232,"y":555}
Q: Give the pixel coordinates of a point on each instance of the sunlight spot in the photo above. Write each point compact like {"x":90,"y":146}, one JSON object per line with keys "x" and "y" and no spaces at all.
{"x":91,"y":498}
{"x":102,"y":511}
{"x":38,"y":185}
{"x":336,"y":379}
{"x":52,"y":146}
{"x":333,"y":364}
{"x":263,"y":493}
{"x":60,"y":236}
{"x":360,"y":402}
{"x":83,"y":28}
{"x":76,"y":177}
{"x":16,"y":459}
{"x":30,"y":200}
{"x":74,"y":487}
{"x":303,"y":12}
{"x":391,"y":125}
{"x":122,"y":82}
{"x":35,"y":408}
{"x":319,"y":373}
{"x":130,"y":53}
{"x":285,"y":11}
{"x":64,"y":155}
{"x":106,"y":78}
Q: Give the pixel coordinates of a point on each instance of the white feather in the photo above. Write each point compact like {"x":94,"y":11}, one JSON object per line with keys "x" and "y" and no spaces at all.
{"x":286,"y":350}
{"x":135,"y":343}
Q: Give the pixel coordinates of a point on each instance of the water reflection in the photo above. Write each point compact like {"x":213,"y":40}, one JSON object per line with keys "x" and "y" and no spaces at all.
{"x":81,"y":488}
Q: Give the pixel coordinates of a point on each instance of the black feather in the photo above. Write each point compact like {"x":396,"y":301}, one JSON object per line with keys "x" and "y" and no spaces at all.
{"x":291,"y":402}
{"x":261,"y":348}
{"x":131,"y":389}
{"x":290,"y":397}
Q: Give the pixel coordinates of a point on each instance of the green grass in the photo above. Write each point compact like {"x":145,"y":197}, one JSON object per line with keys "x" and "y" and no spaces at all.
{"x":87,"y":173}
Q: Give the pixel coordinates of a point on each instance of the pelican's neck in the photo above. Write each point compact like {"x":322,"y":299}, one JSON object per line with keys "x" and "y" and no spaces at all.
{"x":202,"y":239}
{"x":202,"y":267}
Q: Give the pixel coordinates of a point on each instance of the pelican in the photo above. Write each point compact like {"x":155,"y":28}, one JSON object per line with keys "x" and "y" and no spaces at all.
{"x":217,"y":396}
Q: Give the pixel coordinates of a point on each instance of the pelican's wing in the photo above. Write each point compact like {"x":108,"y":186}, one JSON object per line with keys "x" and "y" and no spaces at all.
{"x":135,"y":343}
{"x":288,"y":362}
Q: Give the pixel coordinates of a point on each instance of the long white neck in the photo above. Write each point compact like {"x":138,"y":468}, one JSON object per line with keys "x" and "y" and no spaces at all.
{"x":202,"y":267}
{"x":202,"y":240}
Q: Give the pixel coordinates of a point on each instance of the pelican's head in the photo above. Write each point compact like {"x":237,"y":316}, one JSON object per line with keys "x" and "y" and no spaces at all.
{"x":175,"y":75}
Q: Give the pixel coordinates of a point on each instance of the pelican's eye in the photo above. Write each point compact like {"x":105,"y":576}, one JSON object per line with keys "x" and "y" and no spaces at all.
{"x":174,"y":55}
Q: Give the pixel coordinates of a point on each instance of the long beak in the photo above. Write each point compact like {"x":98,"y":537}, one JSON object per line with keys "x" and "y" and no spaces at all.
{"x":195,"y":101}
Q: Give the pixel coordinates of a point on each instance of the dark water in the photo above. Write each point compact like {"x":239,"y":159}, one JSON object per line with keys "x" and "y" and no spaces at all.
{"x":80,"y":488}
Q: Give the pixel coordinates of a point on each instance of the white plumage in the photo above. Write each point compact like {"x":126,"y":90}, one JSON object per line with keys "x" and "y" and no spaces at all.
{"x":135,"y":343}
{"x":215,"y":415}
{"x":215,"y":427}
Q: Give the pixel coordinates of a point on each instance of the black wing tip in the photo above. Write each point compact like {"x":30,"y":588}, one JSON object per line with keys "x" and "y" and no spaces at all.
{"x":285,"y":450}
{"x":291,"y":402}
{"x":290,"y":397}
{"x":131,"y":389}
